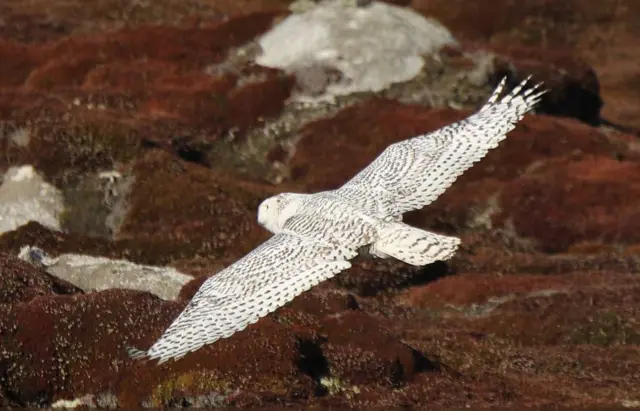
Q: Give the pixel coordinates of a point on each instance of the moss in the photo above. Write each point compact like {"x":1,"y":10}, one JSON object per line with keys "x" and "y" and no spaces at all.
{"x":64,"y":145}
{"x":205,"y":214}
{"x":196,"y":382}
{"x":604,"y":329}
{"x":335,"y":386}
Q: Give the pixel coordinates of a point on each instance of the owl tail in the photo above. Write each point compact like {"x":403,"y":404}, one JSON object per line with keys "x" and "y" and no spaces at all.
{"x":413,"y":245}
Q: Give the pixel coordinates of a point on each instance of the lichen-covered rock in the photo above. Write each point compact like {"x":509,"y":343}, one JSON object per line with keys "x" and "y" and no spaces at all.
{"x":91,"y":273}
{"x":314,"y":40}
{"x":25,"y":196}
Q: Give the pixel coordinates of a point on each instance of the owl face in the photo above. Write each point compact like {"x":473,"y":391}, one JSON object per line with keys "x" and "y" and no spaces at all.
{"x":274,"y":212}
{"x":269,"y":212}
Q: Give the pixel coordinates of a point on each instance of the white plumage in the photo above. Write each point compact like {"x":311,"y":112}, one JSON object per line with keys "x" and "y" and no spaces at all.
{"x":315,"y":235}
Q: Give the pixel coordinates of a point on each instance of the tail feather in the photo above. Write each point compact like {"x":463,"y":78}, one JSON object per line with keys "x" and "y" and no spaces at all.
{"x":413,"y":245}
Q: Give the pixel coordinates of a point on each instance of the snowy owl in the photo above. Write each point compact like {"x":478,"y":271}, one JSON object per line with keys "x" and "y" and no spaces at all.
{"x":315,"y":235}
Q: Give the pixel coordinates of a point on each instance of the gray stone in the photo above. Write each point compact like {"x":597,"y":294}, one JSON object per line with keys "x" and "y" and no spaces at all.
{"x":371,"y":47}
{"x":99,"y":273}
{"x":25,"y":196}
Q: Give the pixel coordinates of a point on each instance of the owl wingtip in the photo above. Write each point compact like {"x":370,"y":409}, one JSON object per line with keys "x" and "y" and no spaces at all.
{"x":136,"y":353}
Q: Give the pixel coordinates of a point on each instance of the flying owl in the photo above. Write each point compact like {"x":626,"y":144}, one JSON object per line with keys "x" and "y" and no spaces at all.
{"x":315,"y":235}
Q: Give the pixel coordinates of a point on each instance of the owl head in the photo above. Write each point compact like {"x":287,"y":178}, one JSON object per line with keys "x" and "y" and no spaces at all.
{"x":271,"y":211}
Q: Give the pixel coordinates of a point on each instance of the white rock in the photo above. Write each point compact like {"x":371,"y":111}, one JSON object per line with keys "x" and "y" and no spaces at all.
{"x":91,"y":273}
{"x":25,"y":196}
{"x":372,"y":46}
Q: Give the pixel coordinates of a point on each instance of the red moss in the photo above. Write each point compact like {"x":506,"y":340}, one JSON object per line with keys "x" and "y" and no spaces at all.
{"x":89,"y":141}
{"x":204,"y":213}
{"x":136,"y":74}
{"x":262,"y":359}
{"x":64,"y":72}
{"x":575,"y":348}
{"x":355,"y":143}
{"x":570,"y":202}
{"x":217,"y":106}
{"x":71,"y":59}
{"x":531,"y":22}
{"x":18,"y":60}
{"x":21,"y":282}
{"x":75,"y":344}
{"x":253,"y":102}
{"x":187,"y":46}
{"x":196,"y":80}
{"x":361,"y":350}
{"x":598,"y":316}
{"x":478,"y":288}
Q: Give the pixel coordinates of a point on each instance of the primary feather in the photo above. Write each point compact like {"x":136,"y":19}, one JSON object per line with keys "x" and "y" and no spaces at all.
{"x":412,"y":173}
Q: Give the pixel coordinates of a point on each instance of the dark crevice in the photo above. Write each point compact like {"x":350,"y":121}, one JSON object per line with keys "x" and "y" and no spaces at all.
{"x":423,"y":363}
{"x":190,"y":149}
{"x":430,"y":273}
{"x":313,"y":363}
{"x":419,"y":363}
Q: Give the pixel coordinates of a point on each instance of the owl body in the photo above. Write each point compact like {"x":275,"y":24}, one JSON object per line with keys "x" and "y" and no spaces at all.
{"x":316,"y":235}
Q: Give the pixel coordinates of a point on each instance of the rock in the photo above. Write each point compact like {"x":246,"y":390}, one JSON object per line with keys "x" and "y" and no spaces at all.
{"x":91,"y":273}
{"x":313,"y":41}
{"x":103,"y":400}
{"x":25,"y":196}
{"x":97,"y":203}
{"x":208,"y":217}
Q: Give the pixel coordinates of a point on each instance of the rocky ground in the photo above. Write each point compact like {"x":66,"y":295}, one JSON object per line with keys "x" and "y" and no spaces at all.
{"x":159,"y":134}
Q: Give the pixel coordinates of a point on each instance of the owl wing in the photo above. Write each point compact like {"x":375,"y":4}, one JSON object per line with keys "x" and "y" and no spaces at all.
{"x":270,"y":276}
{"x":412,"y":173}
